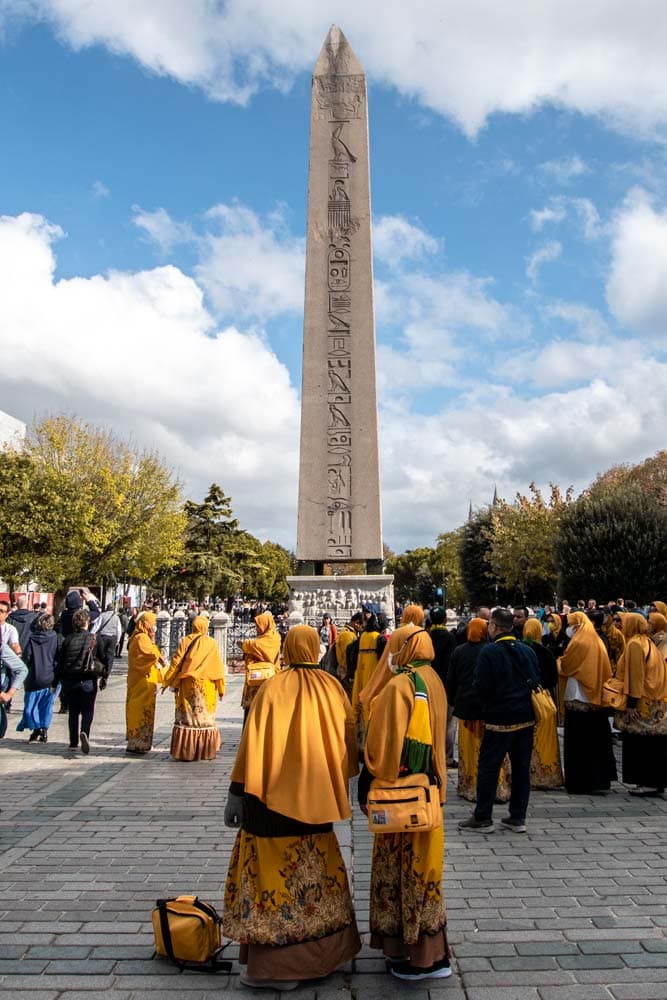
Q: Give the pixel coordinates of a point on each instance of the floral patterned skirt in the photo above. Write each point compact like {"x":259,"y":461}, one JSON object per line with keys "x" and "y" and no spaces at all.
{"x":470,"y":741}
{"x":407,"y":910}
{"x":287,"y":900}
{"x":195,"y":735}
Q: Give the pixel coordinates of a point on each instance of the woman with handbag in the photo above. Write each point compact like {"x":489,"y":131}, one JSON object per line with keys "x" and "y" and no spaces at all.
{"x":406,"y":737}
{"x":197,"y":676}
{"x":40,"y":688}
{"x":75,"y":672}
{"x":588,"y":750}
{"x":143,"y":677}
{"x":287,"y":898}
{"x":643,"y":723}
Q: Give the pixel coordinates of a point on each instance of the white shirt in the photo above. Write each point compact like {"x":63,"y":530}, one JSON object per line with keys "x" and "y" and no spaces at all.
{"x":10,"y":636}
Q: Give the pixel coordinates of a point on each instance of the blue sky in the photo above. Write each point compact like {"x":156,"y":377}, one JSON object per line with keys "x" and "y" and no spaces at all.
{"x":152,"y":200}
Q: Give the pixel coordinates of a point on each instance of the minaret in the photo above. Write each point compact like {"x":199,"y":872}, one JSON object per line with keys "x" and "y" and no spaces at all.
{"x":339,"y":482}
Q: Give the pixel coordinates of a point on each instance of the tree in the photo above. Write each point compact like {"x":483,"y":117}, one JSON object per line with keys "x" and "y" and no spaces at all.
{"x":413,"y":574}
{"x":613,"y":542}
{"x":480,"y":581}
{"x":650,"y":475}
{"x":447,"y":567}
{"x":211,"y":540}
{"x":83,"y":504}
{"x":522,"y":538}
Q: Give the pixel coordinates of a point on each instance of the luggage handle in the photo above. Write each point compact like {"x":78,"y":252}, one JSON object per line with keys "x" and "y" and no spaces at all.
{"x":214,"y":964}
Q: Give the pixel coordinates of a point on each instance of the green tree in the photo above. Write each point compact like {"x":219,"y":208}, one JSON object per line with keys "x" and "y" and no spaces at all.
{"x":95,"y":505}
{"x":414,"y":578}
{"x":611,"y":543}
{"x":446,"y":564}
{"x":650,"y":475}
{"x":479,"y":575}
{"x":522,"y":540}
{"x":211,"y":542}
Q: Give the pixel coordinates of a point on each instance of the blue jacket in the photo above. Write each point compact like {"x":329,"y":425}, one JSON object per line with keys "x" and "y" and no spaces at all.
{"x":505,"y":672}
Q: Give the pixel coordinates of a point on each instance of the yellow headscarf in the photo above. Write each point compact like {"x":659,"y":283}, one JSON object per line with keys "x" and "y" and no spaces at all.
{"x":642,"y":666}
{"x":298,"y":748}
{"x":657,"y":622}
{"x":197,"y":656}
{"x":143,"y":655}
{"x":660,"y":607}
{"x":586,"y":658}
{"x":266,"y":647}
{"x":302,"y":645}
{"x":532,"y":629}
{"x":413,"y":614}
{"x":382,"y":674}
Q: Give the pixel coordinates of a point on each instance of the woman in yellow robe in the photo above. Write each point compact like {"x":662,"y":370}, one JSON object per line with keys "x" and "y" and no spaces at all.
{"x":143,"y":677}
{"x":407,"y":911}
{"x":467,"y":710}
{"x":413,"y":614}
{"x":261,"y":651}
{"x":545,"y":767}
{"x":370,"y":641}
{"x":588,"y":753}
{"x":287,"y":898}
{"x":657,"y":629}
{"x":197,"y":676}
{"x":643,"y":670}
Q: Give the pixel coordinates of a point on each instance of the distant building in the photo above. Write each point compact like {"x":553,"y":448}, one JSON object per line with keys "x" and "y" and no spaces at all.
{"x":12,"y":431}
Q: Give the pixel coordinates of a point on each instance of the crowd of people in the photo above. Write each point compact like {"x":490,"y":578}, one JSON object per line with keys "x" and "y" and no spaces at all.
{"x":485,"y":698}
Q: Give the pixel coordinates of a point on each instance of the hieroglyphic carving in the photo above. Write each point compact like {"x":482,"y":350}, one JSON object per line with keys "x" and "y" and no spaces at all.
{"x":339,"y":100}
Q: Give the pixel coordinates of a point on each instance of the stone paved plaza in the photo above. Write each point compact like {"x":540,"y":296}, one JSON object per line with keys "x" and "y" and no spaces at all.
{"x":576,"y":909}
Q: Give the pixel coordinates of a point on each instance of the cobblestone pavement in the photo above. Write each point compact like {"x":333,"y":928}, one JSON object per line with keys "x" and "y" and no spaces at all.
{"x":576,"y":909}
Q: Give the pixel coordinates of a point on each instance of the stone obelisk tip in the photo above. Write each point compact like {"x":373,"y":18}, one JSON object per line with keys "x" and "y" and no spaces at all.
{"x":336,"y":57}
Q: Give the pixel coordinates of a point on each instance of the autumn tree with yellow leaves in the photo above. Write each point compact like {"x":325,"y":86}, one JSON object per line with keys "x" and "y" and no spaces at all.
{"x":81,"y":505}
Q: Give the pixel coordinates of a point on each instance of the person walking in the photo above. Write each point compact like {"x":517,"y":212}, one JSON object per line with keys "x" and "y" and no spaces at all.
{"x":506,"y":669}
{"x":79,"y":683}
{"x":196,"y":674}
{"x":40,"y":656}
{"x":108,"y":630}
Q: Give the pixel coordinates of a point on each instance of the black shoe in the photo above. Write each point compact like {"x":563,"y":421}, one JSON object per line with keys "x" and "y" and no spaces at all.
{"x":479,"y":825}
{"x":85,"y":745}
{"x":518,"y":825}
{"x":43,"y":736}
{"x":413,"y":974}
{"x":34,"y":736}
{"x":62,"y":710}
{"x":103,"y":683}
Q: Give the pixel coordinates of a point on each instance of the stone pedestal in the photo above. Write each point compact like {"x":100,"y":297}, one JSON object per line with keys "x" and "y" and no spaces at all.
{"x":339,"y":596}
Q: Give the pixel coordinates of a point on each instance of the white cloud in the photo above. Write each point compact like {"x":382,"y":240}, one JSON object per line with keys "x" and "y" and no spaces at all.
{"x":395,"y":241}
{"x":251,"y":267}
{"x":564,"y":170}
{"x":161,"y":229}
{"x":140,"y":352}
{"x":561,"y":207}
{"x":636,"y":287}
{"x":543,"y":255}
{"x":100,"y":190}
{"x":605,"y":57}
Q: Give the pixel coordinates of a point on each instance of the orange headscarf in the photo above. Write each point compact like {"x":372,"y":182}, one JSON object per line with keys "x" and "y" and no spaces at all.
{"x":413,"y":614}
{"x":197,"y":656}
{"x":298,"y":748}
{"x":657,"y":622}
{"x":266,"y":647}
{"x":642,"y":666}
{"x":477,"y":630}
{"x":409,"y":643}
{"x":532,"y":629}
{"x":586,"y":658}
{"x":660,"y":607}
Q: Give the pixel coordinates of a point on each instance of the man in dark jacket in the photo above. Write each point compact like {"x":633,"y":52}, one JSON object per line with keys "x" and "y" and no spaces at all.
{"x":22,"y":620}
{"x":506,"y":672}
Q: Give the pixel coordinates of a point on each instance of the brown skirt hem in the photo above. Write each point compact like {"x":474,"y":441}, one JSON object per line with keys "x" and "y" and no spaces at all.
{"x":194,"y":744}
{"x":306,"y":960}
{"x":429,"y":949}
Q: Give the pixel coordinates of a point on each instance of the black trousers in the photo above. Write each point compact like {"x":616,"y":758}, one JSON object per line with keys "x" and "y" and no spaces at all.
{"x":519,"y":745}
{"x":105,"y":650}
{"x":81,"y":708}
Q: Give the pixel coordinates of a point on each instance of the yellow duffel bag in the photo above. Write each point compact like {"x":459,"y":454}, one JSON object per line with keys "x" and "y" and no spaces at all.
{"x":410,"y":804}
{"x":187,"y":931}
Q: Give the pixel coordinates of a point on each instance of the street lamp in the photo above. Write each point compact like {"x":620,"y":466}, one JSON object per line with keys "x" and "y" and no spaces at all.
{"x":523,"y":563}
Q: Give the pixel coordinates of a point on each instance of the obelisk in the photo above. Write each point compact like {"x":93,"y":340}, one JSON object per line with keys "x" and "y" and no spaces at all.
{"x":339,"y":518}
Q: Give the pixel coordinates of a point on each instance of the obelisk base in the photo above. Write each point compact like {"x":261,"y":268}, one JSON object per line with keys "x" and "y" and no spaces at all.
{"x":311,"y":597}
